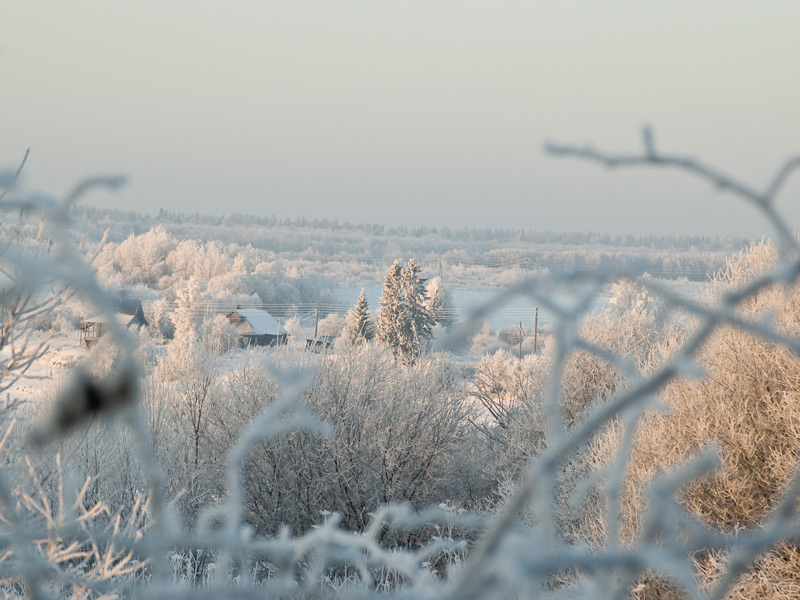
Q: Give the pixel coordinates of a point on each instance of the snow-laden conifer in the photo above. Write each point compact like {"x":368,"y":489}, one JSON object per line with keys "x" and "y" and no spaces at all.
{"x":416,"y":323}
{"x":359,"y":327}
{"x":392,"y":305}
{"x":405,"y":325}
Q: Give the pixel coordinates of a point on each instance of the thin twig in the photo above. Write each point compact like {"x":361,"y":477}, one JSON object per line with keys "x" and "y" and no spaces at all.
{"x":764,"y":201}
{"x":16,"y":175}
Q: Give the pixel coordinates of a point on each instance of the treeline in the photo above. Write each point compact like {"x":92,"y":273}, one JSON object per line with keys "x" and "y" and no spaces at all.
{"x":143,"y":221}
{"x":359,"y":254}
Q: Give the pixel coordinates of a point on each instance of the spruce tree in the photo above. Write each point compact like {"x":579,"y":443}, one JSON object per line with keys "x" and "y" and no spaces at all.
{"x":416,"y":323}
{"x":405,"y":325}
{"x":392,"y":305}
{"x":359,"y":328}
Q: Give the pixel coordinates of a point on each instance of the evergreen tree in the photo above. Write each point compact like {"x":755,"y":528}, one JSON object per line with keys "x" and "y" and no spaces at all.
{"x":416,"y":324}
{"x":391,"y":307}
{"x":359,"y":327}
{"x":405,"y":325}
{"x":439,"y":303}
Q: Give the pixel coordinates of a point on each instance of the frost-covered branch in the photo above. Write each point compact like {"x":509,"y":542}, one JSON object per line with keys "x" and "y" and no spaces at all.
{"x":651,"y":157}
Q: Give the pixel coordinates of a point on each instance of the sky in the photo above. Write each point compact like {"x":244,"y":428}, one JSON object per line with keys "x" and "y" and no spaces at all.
{"x":412,"y":112}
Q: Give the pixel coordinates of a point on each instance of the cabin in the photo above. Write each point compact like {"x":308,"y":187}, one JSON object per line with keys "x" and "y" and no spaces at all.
{"x":257,"y":327}
{"x":128,"y":313}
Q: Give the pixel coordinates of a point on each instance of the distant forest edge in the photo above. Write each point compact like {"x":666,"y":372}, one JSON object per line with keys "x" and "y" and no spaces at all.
{"x":463,"y":234}
{"x":359,"y":253}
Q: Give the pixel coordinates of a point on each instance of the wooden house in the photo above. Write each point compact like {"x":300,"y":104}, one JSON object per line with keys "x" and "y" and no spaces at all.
{"x":257,"y":327}
{"x":128,"y":313}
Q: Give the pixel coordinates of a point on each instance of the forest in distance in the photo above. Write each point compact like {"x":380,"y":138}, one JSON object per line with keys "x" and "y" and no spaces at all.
{"x":347,"y":251}
{"x":400,"y":447}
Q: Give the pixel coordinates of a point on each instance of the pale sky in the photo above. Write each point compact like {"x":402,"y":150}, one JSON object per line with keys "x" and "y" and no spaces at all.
{"x":408,"y":112}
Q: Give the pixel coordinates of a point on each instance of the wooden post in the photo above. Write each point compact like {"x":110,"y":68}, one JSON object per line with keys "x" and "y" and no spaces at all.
{"x":535,"y":329}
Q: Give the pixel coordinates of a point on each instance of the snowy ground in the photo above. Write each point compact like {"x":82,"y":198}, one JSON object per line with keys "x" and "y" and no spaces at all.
{"x":516,"y":309}
{"x":62,"y":354}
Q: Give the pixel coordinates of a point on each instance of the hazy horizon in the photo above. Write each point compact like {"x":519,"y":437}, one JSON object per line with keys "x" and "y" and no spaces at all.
{"x":345,"y":224}
{"x":410,"y":114}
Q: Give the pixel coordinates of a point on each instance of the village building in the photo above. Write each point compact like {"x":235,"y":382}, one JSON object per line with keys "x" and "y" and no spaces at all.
{"x":257,"y":327}
{"x":128,"y":312}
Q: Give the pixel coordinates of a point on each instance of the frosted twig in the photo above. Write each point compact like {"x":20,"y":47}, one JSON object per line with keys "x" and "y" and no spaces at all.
{"x":764,"y":201}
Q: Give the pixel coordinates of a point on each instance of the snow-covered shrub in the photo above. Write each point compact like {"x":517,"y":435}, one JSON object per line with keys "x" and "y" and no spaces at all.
{"x":439,"y":303}
{"x":746,"y":406}
{"x":298,"y":332}
{"x":159,"y":319}
{"x":396,"y":434}
{"x":219,"y":335}
{"x":635,"y":328}
{"x":331,"y":324}
{"x":486,"y":341}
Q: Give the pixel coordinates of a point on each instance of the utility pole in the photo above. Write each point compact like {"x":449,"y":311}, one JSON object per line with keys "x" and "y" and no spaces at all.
{"x":535,"y":328}
{"x":521,"y":336}
{"x":316,"y":321}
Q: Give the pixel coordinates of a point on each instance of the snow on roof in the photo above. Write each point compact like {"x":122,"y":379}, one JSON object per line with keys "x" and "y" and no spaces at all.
{"x":120,"y":318}
{"x":261,"y":321}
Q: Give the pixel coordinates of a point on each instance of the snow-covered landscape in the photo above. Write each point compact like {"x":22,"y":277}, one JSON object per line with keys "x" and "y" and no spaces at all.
{"x":198,"y":389}
{"x":419,"y":300}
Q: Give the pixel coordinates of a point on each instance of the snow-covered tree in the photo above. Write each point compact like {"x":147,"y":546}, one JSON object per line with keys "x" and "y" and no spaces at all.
{"x":416,"y":323}
{"x":404,"y":325}
{"x":160,"y":322}
{"x":331,"y":325}
{"x":392,"y":305}
{"x":183,"y":316}
{"x":219,"y":335}
{"x":298,"y":332}
{"x":486,"y":341}
{"x":139,"y":259}
{"x":359,"y":327}
{"x":439,"y":303}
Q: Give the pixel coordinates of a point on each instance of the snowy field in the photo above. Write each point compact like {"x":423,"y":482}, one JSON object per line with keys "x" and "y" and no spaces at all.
{"x":517,"y":309}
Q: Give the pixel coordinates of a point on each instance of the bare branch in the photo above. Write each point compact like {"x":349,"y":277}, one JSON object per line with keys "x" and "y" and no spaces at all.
{"x":764,"y":201}
{"x":16,"y":175}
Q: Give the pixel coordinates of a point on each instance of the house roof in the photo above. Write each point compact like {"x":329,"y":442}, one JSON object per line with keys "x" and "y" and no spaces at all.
{"x":260,"y":321}
{"x":127,"y":312}
{"x":129,"y":306}
{"x":120,"y":318}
